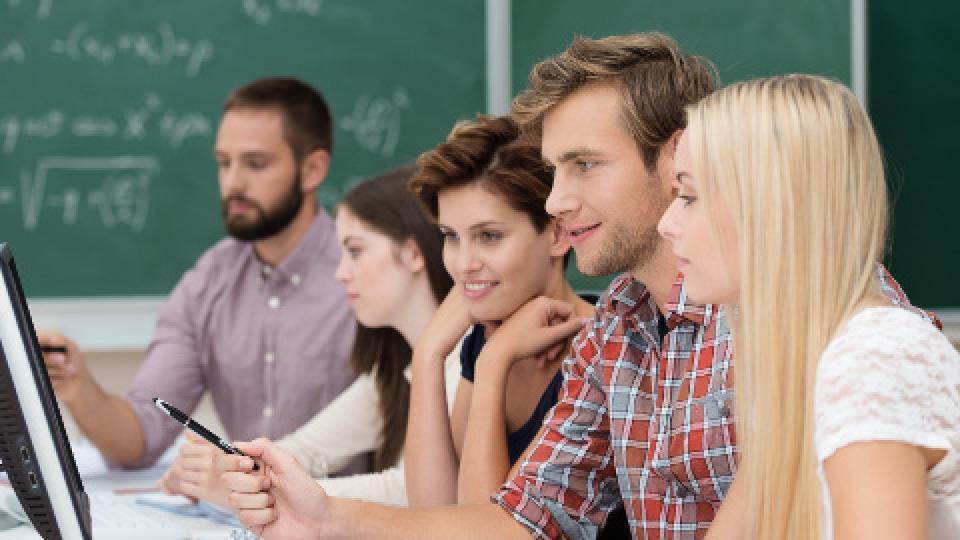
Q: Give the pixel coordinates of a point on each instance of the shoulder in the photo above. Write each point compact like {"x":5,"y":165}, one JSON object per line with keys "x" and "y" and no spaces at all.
{"x":212,"y":269}
{"x":888,"y":375}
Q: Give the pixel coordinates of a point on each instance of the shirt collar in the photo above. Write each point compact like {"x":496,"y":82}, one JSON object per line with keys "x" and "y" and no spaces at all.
{"x":627,"y":294}
{"x":297,"y":262}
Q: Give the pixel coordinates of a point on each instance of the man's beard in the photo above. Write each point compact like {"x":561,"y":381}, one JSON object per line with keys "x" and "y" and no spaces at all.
{"x":266,"y":223}
{"x":624,"y":251}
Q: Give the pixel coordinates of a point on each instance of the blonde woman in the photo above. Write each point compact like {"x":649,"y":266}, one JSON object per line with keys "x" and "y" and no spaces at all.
{"x":848,"y":407}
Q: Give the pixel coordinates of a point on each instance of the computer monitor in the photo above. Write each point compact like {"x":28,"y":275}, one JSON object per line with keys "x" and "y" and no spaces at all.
{"x":34,"y":447}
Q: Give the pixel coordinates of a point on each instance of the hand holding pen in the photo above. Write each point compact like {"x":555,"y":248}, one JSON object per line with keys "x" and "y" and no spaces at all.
{"x":198,"y":428}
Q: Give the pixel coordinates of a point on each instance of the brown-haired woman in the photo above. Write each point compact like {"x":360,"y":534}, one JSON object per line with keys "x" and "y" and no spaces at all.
{"x":394,"y":278}
{"x":486,"y":187}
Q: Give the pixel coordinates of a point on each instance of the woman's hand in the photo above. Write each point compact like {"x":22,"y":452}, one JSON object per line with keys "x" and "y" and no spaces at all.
{"x":280,"y":500}
{"x":540,"y":329}
{"x":195,"y":473}
{"x":445,"y":329}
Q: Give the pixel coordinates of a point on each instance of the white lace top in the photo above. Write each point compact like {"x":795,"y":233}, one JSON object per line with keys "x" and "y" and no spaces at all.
{"x":890,"y":375}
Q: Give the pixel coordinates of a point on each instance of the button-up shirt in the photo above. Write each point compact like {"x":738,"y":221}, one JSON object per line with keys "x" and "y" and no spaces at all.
{"x":644,"y":419}
{"x":271,"y":344}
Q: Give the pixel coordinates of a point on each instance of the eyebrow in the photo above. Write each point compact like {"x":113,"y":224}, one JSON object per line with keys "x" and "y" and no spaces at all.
{"x":575,"y":153}
{"x":475,"y":226}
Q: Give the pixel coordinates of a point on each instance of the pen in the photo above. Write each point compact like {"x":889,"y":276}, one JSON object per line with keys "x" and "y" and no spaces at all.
{"x":197,"y":428}
{"x":53,"y":348}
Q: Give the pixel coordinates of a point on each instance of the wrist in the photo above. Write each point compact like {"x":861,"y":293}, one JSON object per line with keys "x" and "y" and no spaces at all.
{"x":494,"y":362}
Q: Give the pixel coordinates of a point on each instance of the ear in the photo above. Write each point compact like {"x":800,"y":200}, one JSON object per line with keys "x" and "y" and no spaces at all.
{"x":411,"y":257}
{"x":314,"y":169}
{"x":559,"y":239}
{"x":668,"y":153}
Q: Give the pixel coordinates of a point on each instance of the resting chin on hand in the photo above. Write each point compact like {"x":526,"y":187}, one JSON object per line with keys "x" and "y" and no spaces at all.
{"x":278,"y":501}
{"x":196,"y":473}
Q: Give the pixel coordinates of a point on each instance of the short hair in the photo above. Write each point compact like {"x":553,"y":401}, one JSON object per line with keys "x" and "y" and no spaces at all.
{"x":491,"y":153}
{"x":307,"y":120}
{"x":655,"y":80}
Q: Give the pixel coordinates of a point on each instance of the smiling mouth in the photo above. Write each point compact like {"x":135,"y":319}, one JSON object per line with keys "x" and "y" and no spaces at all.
{"x":479,"y":286}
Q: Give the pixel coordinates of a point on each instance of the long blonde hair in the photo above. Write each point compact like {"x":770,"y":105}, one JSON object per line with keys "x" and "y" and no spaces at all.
{"x":796,"y":161}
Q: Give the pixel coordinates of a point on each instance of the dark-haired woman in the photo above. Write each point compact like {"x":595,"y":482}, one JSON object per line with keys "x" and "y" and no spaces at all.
{"x":392,"y":271}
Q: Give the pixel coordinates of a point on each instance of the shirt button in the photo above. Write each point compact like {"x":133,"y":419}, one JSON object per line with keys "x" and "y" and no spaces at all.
{"x":268,"y":358}
{"x":725,"y":411}
{"x":267,"y":411}
{"x":267,"y":270}
{"x":295,"y":279}
{"x":682,"y":492}
{"x":274,"y":302}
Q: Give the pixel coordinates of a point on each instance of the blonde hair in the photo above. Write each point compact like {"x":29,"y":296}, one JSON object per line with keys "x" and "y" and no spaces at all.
{"x":796,"y":162}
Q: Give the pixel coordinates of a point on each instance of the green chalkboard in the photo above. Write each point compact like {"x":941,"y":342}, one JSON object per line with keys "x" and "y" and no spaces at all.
{"x":108,"y":111}
{"x":743,"y":38}
{"x":913,"y":100}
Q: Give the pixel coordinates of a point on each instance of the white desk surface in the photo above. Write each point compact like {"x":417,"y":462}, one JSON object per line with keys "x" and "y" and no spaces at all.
{"x":97,"y":477}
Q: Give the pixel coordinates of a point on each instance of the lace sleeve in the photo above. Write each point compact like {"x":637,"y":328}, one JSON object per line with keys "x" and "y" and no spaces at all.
{"x":888,"y":376}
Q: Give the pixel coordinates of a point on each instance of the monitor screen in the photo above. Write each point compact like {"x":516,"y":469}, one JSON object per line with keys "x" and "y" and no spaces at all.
{"x":33,"y":443}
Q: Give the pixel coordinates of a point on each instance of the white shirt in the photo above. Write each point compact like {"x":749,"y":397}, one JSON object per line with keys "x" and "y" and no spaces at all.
{"x":889,"y":375}
{"x":349,"y":426}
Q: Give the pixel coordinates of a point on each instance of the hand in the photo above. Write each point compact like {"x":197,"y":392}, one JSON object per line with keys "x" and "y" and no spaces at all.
{"x":68,"y":372}
{"x":447,"y":326}
{"x":196,"y":473}
{"x":279,"y":501}
{"x":541,"y":329}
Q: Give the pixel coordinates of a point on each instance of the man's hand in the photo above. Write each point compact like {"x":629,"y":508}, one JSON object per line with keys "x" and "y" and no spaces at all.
{"x":280,"y":500}
{"x":68,"y":372}
{"x":196,"y":473}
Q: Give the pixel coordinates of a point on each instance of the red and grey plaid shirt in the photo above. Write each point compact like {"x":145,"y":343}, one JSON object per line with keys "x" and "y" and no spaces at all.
{"x":643,"y":420}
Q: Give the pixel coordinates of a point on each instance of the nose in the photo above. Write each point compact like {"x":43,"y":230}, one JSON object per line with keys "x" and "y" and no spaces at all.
{"x":466,"y":260}
{"x":669,"y":226}
{"x":231,"y":181}
{"x":343,"y":273}
{"x":562,"y":200}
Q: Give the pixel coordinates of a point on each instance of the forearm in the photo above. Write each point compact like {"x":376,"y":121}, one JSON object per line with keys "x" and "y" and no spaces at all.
{"x":355,"y":519}
{"x":384,"y":487}
{"x":485,"y":441}
{"x":109,"y":422}
{"x":430,"y":460}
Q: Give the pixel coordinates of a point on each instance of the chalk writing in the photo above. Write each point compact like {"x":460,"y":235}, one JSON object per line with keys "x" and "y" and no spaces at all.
{"x":43,"y":7}
{"x":13,"y":53}
{"x":376,"y":121}
{"x":262,"y":11}
{"x":133,"y":123}
{"x":161,"y":47}
{"x":117,"y":190}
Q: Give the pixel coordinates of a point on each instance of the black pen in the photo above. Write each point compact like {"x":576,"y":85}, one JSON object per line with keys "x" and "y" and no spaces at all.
{"x":53,"y":348}
{"x":195,"y":427}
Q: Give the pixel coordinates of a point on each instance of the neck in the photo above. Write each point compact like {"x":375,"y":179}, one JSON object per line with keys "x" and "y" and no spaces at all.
{"x":658,"y":275}
{"x":418,"y":310}
{"x":275,"y":249}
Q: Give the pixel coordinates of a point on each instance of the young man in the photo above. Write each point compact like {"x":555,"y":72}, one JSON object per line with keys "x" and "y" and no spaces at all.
{"x":260,"y":321}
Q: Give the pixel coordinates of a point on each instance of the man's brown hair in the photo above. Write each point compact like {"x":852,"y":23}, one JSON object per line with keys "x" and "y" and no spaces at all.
{"x":655,"y":80}
{"x":307,"y":121}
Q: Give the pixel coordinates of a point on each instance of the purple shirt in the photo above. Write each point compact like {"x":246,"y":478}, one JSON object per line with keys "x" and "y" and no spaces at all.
{"x":272,"y":345}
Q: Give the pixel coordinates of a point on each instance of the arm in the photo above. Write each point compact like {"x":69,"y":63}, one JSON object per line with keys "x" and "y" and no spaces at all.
{"x":485,"y":444}
{"x":878,"y":491}
{"x":384,"y":487}
{"x":289,"y":504}
{"x":430,"y":457}
{"x":730,"y":521}
{"x":106,"y":419}
{"x":349,"y":426}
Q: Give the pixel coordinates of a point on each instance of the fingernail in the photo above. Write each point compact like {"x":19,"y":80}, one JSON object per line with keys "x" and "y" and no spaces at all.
{"x":246,"y":463}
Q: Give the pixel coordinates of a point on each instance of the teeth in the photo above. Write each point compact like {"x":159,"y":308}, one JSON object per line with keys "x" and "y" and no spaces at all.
{"x":477,"y":286}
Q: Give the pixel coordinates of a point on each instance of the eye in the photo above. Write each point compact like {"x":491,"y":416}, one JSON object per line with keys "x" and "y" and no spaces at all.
{"x":687,"y":199}
{"x":584,"y":165}
{"x":448,"y":236}
{"x":353,"y":251}
{"x":489,"y":237}
{"x":223,"y":164}
{"x":257,"y":164}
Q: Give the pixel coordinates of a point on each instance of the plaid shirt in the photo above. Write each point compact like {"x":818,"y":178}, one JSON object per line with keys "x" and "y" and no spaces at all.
{"x":643,"y":419}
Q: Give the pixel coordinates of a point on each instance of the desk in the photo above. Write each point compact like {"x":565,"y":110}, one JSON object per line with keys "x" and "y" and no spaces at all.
{"x":97,"y":477}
